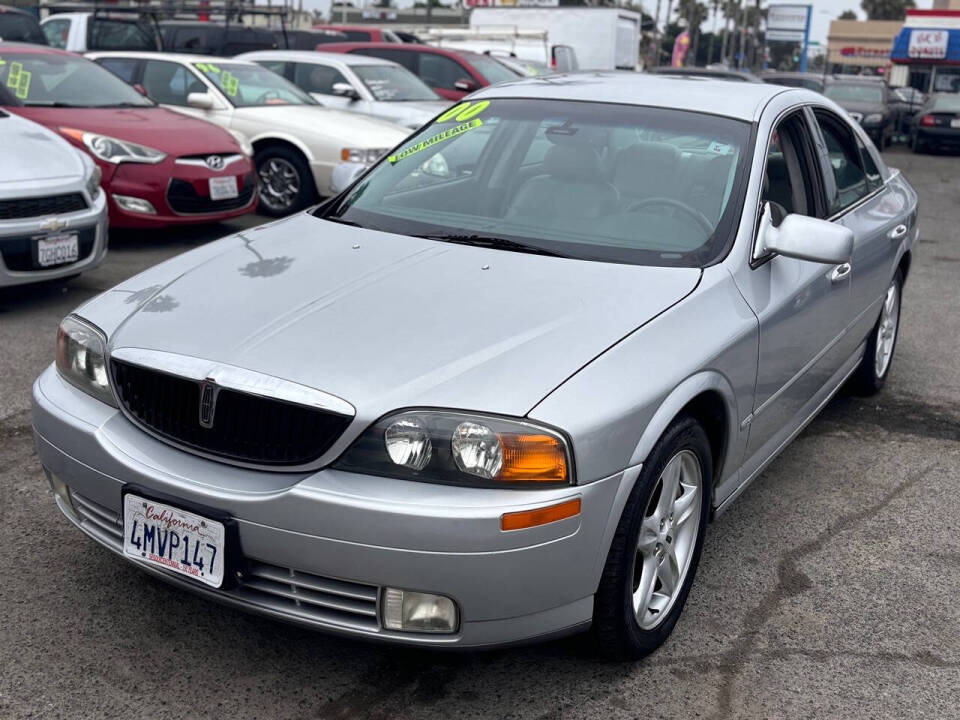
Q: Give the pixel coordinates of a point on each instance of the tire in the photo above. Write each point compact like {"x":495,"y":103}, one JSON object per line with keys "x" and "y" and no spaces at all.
{"x":872,"y":374}
{"x":617,"y":630}
{"x":286,"y":183}
{"x":917,"y":145}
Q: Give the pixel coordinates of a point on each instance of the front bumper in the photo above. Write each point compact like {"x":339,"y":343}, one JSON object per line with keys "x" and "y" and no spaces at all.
{"x":17,"y":235}
{"x":355,"y":533}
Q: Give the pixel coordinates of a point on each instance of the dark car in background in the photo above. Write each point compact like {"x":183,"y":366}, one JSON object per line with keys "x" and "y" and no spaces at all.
{"x":937,"y":125}
{"x":867,"y":100}
{"x":306,"y":39}
{"x":451,"y":74}
{"x":794,"y":79}
{"x":905,"y":102}
{"x":20,"y":26}
{"x":206,"y":38}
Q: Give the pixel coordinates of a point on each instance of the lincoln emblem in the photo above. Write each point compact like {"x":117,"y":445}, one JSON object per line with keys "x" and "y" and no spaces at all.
{"x":208,"y":402}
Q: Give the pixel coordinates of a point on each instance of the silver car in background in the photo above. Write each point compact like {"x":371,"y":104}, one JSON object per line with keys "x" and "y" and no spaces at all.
{"x":496,"y":389}
{"x":53,"y":216}
{"x":359,"y":83}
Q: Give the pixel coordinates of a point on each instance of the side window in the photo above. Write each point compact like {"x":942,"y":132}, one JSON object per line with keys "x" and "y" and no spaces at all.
{"x":317,"y":78}
{"x":845,"y":163}
{"x":56,"y":32}
{"x":123,"y":68}
{"x":276,"y":66}
{"x":357,"y":35}
{"x":440,"y":72}
{"x":788,"y":179}
{"x":169,"y":83}
{"x":407,"y":59}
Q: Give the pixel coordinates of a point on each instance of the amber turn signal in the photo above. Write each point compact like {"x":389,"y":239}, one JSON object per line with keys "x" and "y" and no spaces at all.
{"x":540,"y":516}
{"x":532,"y":458}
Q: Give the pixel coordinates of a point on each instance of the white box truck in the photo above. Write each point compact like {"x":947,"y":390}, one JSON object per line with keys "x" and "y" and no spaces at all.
{"x":604,"y":38}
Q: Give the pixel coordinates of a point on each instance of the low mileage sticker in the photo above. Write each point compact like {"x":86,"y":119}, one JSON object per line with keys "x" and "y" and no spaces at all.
{"x":434,"y":139}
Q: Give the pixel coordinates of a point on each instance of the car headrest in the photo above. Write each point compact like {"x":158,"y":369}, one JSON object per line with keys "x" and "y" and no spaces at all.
{"x":572,"y":161}
{"x":646,"y":161}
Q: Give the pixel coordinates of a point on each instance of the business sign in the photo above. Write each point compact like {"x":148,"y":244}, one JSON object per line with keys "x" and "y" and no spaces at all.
{"x":787,"y":23}
{"x":928,"y":44}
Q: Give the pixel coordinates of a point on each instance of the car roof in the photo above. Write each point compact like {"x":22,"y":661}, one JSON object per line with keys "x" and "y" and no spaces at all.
{"x":414,"y":47}
{"x":705,"y":72}
{"x":696,"y":94}
{"x":315,"y":56}
{"x":186,"y":58}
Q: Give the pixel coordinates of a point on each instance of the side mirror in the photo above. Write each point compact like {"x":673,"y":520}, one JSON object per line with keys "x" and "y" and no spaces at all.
{"x":465,"y":84}
{"x":345,"y":90}
{"x":200,"y":100}
{"x":805,"y":238}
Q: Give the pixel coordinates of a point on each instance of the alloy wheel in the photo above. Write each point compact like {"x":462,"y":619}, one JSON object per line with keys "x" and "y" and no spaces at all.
{"x":887,"y":330}
{"x":667,"y":538}
{"x":279,"y":184}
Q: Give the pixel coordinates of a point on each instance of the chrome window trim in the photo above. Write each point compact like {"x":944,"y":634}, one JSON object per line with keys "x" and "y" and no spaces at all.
{"x":235,"y":378}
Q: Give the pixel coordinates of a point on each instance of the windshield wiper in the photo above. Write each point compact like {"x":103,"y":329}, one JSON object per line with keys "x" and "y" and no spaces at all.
{"x":496,"y":243}
{"x":52,"y":104}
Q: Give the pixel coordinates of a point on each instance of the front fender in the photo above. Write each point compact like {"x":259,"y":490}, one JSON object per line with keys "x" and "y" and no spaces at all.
{"x":284,"y":137}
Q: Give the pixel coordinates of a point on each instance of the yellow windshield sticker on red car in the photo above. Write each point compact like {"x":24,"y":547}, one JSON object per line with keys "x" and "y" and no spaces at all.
{"x":19,"y":80}
{"x":464,"y":111}
{"x":230,"y":83}
{"x":434,"y":139}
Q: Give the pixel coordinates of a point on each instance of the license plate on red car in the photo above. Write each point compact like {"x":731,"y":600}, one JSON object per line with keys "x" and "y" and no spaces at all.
{"x":173,"y":539}
{"x":223,"y":188}
{"x":54,"y":250}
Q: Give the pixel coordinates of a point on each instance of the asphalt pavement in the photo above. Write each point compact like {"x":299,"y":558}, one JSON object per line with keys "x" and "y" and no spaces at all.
{"x":829,"y":589}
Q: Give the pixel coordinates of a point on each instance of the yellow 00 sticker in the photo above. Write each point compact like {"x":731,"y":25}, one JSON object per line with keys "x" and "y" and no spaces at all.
{"x":464,"y":111}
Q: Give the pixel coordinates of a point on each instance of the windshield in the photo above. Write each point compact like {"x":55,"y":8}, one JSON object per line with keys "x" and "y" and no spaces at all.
{"x":252,"y":85}
{"x":946,"y":103}
{"x":851,"y":92}
{"x":493,"y":71}
{"x":389,"y":83}
{"x":586,"y":180}
{"x":64,"y":81}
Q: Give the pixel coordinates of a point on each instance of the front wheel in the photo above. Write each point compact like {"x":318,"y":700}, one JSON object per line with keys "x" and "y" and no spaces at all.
{"x":286,"y":183}
{"x":654,"y":554}
{"x":876,"y":361}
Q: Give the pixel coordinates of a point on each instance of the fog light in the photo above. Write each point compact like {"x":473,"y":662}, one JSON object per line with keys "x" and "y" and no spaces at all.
{"x":60,"y":490}
{"x":418,"y":612}
{"x":134,"y":204}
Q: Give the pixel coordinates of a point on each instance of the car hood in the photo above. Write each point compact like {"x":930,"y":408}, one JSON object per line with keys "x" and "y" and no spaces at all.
{"x":168,"y":131}
{"x":327,"y":125}
{"x":29,"y":152}
{"x":387,"y":321}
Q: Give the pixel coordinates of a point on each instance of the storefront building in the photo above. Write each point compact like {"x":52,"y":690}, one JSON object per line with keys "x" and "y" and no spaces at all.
{"x":860,"y":46}
{"x":926,"y":53}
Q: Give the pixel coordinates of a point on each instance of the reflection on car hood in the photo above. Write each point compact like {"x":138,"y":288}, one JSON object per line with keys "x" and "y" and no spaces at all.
{"x":30,"y":152}
{"x":387,"y":321}
{"x":326,"y":125}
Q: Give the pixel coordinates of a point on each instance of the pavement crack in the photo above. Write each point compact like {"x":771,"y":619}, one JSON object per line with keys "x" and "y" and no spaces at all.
{"x":15,"y":425}
{"x":792,"y":581}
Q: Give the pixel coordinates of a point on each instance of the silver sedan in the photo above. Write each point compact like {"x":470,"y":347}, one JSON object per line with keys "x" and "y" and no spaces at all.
{"x":495,"y":390}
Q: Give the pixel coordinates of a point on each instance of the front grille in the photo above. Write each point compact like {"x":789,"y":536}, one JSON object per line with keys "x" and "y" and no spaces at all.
{"x":182,"y":198}
{"x":291,"y":593}
{"x":34,"y":206}
{"x":18,"y":252}
{"x":246,"y":428}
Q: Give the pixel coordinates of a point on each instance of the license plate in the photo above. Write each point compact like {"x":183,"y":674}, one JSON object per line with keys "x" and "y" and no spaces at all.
{"x":223,"y":188}
{"x":955,"y":123}
{"x":173,"y":539}
{"x":57,"y":249}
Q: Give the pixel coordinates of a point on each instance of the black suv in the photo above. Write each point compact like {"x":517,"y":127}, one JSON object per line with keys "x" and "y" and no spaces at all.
{"x":20,"y":26}
{"x":868,"y":102}
{"x":206,"y":38}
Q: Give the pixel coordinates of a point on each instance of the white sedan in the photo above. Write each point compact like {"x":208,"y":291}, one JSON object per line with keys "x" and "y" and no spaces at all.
{"x":296,"y":141}
{"x":368,"y":85}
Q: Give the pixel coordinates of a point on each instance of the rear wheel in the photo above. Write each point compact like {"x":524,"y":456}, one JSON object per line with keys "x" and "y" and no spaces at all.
{"x":878,"y":357}
{"x":286,"y":183}
{"x":654,"y":554}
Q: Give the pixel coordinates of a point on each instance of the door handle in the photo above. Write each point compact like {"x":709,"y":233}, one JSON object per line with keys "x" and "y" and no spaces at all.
{"x":840,"y":273}
{"x":898,"y":232}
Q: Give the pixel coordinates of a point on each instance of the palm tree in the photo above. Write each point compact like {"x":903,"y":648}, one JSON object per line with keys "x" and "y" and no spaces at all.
{"x":886,"y":9}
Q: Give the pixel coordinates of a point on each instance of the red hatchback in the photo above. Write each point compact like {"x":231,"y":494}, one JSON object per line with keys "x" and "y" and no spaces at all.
{"x":451,"y":74}
{"x":159,"y":167}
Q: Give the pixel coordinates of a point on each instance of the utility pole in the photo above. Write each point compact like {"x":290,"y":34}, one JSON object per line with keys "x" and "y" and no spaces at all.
{"x":713,"y":33}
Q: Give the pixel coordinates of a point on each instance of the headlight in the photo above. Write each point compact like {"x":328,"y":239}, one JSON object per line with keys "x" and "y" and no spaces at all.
{"x":245,"y":147}
{"x":360,"y":155}
{"x":461,"y":449}
{"x":82,"y":358}
{"x":873,"y":119}
{"x":114,"y":150}
{"x":93,"y":182}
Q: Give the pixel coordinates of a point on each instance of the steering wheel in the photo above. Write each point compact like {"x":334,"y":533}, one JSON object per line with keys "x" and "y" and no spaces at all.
{"x":698,"y":216}
{"x":267,"y":95}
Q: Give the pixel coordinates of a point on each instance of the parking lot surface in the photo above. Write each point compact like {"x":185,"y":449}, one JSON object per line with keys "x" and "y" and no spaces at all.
{"x":829,"y":588}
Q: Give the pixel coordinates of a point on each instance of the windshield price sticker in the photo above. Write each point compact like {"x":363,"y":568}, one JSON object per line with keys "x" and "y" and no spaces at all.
{"x":433,"y":140}
{"x":464,"y":111}
{"x":230,"y":83}
{"x":19,"y":80}
{"x":208,"y":68}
